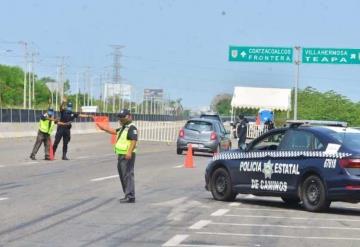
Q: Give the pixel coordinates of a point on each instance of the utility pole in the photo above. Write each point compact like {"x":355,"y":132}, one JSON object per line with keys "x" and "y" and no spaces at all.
{"x":25,"y":71}
{"x":62,"y":76}
{"x":117,"y":54}
{"x":297,"y":75}
{"x":77,"y":92}
{"x":29,"y":83}
{"x":57,"y":89}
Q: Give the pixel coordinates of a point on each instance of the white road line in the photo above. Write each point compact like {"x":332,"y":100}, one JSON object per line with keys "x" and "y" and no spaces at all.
{"x":220,"y":212}
{"x":1,"y":166}
{"x":265,"y":209}
{"x":30,"y":163}
{"x":290,"y":218}
{"x":179,"y":166}
{"x":234,"y":204}
{"x":276,"y":236}
{"x":176,"y":240}
{"x":288,"y":226}
{"x":104,"y":178}
{"x":83,"y":157}
{"x":3,"y":198}
{"x":208,"y":245}
{"x":200,"y":224}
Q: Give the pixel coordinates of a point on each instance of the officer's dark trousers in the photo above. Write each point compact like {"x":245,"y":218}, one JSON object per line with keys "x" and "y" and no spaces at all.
{"x":65,"y":134}
{"x":42,"y":138}
{"x":126,"y":174}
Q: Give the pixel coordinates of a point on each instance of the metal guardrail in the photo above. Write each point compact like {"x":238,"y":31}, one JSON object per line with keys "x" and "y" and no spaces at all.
{"x":29,"y":116}
{"x":160,"y":131}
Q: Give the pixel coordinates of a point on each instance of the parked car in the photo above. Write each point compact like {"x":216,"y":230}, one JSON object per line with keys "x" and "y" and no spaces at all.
{"x":205,"y":135}
{"x":211,"y":115}
{"x":310,"y":161}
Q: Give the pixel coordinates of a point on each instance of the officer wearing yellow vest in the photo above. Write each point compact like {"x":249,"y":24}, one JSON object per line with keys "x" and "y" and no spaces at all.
{"x":125,"y":148}
{"x":46,"y":126}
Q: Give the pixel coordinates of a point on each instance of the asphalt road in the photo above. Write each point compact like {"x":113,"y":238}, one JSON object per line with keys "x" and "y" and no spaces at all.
{"x":76,"y":203}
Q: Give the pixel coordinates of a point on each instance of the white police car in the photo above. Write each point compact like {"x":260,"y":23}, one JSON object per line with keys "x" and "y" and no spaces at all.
{"x":315,"y":162}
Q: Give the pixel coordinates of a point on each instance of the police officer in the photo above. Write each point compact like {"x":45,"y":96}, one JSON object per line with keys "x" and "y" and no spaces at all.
{"x":64,"y":126}
{"x":125,"y":148}
{"x":46,"y":126}
{"x":242,"y":131}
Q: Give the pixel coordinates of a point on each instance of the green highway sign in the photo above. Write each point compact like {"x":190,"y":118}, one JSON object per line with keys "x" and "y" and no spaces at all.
{"x":260,"y":54}
{"x":330,"y":56}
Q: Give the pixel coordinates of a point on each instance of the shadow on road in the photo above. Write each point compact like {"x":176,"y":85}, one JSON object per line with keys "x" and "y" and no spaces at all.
{"x":336,"y":210}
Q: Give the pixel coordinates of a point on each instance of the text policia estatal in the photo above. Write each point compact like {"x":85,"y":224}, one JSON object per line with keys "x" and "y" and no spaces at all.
{"x":277,"y":168}
{"x":268,"y":169}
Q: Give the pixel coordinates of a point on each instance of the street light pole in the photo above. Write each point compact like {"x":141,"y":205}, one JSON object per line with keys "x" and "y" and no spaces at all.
{"x":297,"y":75}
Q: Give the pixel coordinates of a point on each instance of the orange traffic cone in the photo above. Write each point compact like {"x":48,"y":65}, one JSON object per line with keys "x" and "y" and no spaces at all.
{"x":51,"y":152}
{"x":189,"y":161}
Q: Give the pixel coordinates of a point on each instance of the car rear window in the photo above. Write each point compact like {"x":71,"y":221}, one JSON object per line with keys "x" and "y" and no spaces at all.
{"x":351,"y":140}
{"x":200,"y":126}
{"x":212,"y":117}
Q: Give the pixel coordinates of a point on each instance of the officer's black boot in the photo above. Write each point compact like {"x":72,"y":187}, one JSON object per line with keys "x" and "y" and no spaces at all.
{"x":64,"y":157}
{"x":32,"y":157}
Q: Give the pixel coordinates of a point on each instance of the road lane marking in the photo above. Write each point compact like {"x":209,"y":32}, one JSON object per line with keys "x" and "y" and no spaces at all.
{"x":286,"y":226}
{"x":179,"y":166}
{"x":3,"y":198}
{"x":104,"y":178}
{"x":276,"y":236}
{"x":220,"y":212}
{"x":176,"y":240}
{"x":234,"y":204}
{"x":208,"y":245}
{"x":265,"y":209}
{"x":83,"y":157}
{"x":289,"y":218}
{"x":1,"y":166}
{"x":200,"y":224}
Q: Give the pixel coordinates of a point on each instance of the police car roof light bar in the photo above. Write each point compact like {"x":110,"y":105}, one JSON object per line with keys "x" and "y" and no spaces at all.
{"x":296,"y":123}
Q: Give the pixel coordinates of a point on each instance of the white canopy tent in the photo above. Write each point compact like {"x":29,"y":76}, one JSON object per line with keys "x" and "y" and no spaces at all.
{"x":267,"y":98}
{"x":261,"y":98}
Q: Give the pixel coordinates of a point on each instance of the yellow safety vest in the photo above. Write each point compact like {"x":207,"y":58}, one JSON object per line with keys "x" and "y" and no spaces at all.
{"x":46,"y":126}
{"x":123,"y":144}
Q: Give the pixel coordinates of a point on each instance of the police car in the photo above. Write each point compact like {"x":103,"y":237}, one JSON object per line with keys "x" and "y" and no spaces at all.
{"x":315,"y":162}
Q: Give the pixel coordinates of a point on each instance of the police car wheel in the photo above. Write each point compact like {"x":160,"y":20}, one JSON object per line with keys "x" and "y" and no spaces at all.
{"x":221,"y":186}
{"x":179,"y":151}
{"x":314,"y":194}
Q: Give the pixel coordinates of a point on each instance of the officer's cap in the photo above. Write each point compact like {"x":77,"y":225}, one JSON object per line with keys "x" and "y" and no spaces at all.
{"x":123,"y":113}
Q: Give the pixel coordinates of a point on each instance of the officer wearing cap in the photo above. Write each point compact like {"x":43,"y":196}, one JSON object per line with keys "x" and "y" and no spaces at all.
{"x":64,"y":126}
{"x":46,"y":126}
{"x":125,"y":148}
{"x":241,"y":131}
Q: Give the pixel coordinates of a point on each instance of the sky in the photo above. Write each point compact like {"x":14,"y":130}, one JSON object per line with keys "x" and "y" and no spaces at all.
{"x":182,"y":45}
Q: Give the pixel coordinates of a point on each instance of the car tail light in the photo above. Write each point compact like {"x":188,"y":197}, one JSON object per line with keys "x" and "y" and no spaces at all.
{"x":350,"y":163}
{"x":352,"y":187}
{"x":213,"y":136}
{"x":181,"y":133}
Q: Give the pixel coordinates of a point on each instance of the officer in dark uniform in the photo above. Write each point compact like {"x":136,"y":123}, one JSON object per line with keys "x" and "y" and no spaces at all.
{"x":46,"y":126}
{"x":242,"y":131}
{"x":125,"y":148}
{"x":64,"y":126}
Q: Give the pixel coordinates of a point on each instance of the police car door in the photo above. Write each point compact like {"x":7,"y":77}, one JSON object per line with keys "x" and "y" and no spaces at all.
{"x":296,"y":149}
{"x":257,"y":165}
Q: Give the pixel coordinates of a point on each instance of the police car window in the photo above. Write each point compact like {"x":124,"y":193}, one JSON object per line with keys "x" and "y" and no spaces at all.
{"x":199,"y":126}
{"x":270,"y":142}
{"x":297,"y":140}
